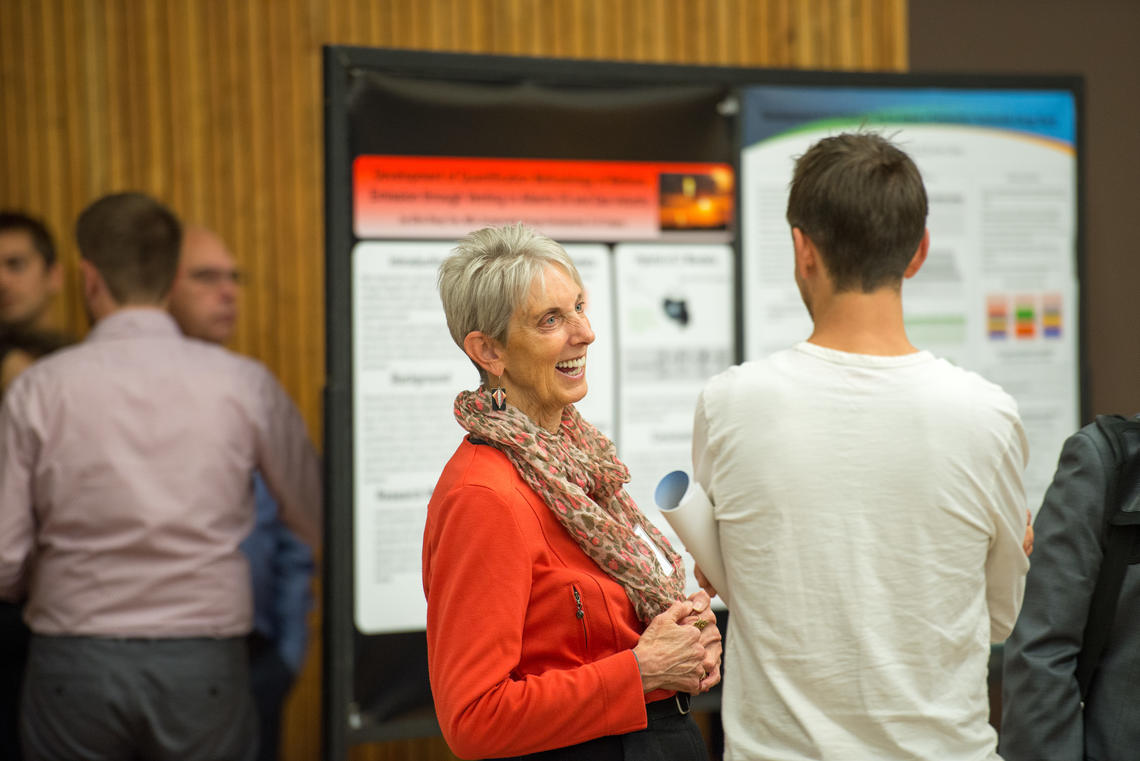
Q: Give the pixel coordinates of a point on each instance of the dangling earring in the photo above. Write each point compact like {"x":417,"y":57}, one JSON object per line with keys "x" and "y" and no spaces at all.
{"x":499,"y":397}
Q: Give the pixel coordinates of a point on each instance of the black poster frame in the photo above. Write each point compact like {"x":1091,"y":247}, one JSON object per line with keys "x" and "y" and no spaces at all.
{"x":344,"y":723}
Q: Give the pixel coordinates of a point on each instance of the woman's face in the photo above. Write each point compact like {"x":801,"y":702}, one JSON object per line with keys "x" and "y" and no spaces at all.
{"x":544,"y":360}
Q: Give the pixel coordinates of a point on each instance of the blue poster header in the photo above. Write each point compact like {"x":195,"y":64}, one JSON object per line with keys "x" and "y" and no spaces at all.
{"x":771,"y":111}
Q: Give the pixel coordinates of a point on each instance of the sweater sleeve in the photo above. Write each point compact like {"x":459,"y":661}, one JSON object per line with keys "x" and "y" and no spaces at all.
{"x":477,"y":577}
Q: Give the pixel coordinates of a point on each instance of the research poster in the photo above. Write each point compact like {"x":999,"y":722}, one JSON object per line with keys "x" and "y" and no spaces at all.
{"x":406,"y":374}
{"x":675,"y":331}
{"x":600,"y":403}
{"x":998,"y":292}
{"x":660,"y":309}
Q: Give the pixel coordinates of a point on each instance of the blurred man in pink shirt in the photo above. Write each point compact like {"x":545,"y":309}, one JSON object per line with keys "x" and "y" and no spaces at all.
{"x":126,"y":488}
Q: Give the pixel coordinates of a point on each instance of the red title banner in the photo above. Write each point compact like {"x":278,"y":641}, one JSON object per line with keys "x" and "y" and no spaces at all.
{"x":439,"y":197}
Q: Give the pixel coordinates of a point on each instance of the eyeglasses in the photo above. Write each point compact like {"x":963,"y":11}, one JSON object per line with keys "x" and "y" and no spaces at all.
{"x":215,"y":277}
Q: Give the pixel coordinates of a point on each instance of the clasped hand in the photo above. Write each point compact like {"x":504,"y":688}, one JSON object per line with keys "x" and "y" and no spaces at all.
{"x":674,"y":654}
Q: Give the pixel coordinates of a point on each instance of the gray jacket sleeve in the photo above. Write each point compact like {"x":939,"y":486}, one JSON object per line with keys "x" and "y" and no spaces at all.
{"x":1041,"y":703}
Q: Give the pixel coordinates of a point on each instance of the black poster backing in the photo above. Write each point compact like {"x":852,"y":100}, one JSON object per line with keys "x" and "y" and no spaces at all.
{"x":409,"y":103}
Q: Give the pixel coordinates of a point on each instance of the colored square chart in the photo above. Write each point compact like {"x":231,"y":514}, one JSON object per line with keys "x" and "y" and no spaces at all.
{"x":1051,"y":317}
{"x":1025,"y":316}
{"x":997,"y":317}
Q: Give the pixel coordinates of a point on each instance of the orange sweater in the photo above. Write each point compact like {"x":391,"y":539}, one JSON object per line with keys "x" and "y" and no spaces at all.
{"x":529,"y":642}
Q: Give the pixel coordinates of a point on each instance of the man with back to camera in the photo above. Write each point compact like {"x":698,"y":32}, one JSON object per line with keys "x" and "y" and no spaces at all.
{"x":30,"y":277}
{"x":869,"y":497}
{"x":204,"y":302}
{"x":125,"y":492}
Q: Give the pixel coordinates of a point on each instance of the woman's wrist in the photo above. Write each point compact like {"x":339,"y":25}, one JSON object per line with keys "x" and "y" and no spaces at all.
{"x":648,"y":684}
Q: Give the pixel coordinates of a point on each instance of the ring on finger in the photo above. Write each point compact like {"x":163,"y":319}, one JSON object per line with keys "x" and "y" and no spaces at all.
{"x":700,"y":623}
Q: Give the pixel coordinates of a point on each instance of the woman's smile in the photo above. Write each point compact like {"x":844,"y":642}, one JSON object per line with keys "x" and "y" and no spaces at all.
{"x":575,"y":368}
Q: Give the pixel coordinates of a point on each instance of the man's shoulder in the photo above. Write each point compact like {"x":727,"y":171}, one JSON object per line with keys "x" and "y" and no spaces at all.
{"x":752,"y":372}
{"x":960,"y":405}
{"x":88,"y":365}
{"x":192,"y":352}
{"x":970,"y":390}
{"x":205,"y":351}
{"x":57,"y":364}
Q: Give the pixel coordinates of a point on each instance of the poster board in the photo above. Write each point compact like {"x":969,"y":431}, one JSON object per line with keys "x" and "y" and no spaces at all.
{"x":649,"y":176}
{"x":999,"y":291}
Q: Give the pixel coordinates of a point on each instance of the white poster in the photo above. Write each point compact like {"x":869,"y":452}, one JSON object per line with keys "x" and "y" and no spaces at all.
{"x":998,"y":292}
{"x":407,"y":372}
{"x":599,"y":406}
{"x":675,"y":331}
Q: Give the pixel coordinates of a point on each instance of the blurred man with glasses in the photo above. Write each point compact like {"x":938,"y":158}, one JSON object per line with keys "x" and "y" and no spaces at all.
{"x":204,"y":302}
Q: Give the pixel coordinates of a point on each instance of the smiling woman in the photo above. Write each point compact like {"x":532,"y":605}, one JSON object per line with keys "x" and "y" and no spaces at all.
{"x":586,"y":646}
{"x":542,"y":366}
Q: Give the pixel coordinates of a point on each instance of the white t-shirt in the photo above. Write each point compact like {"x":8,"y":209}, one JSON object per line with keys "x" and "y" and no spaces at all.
{"x":871,"y":513}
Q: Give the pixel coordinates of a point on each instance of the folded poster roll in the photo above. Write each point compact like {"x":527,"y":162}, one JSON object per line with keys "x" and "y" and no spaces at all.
{"x":688,"y":510}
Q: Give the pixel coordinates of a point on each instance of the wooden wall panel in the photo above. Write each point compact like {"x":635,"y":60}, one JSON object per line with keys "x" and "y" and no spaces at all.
{"x":215,"y":107}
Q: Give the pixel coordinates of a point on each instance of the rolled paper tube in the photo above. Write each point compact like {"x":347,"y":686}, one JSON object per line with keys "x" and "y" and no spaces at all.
{"x":688,"y":510}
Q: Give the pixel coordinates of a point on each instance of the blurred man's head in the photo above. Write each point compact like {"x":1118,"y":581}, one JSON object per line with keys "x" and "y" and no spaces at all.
{"x":204,"y":298}
{"x":29,"y":274}
{"x":128,"y":247}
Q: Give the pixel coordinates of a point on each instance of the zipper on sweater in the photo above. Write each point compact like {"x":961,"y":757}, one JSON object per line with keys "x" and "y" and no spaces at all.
{"x":580,"y":613}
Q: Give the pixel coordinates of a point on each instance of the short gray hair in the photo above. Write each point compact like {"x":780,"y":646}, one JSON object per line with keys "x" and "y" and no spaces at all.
{"x":489,"y":275}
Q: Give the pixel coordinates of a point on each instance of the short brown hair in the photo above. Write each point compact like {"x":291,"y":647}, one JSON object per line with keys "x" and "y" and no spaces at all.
{"x":133,"y":240}
{"x":861,"y":201}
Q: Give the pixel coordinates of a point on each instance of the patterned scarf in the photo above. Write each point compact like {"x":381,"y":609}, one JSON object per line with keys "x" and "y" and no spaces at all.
{"x":578,"y":474}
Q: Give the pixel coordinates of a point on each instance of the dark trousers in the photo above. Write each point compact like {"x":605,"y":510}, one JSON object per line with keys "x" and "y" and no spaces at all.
{"x":13,"y":655}
{"x":104,"y":699}
{"x":670,"y":736}
{"x":271,"y":679}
